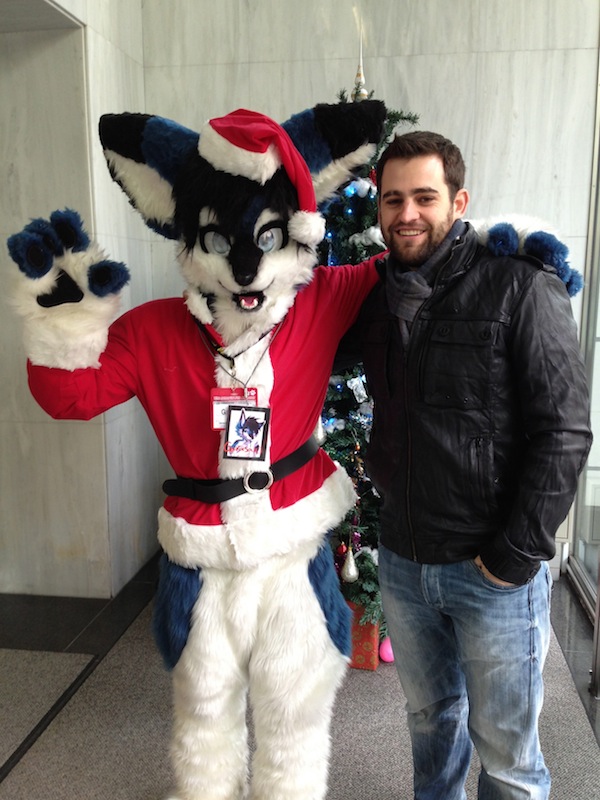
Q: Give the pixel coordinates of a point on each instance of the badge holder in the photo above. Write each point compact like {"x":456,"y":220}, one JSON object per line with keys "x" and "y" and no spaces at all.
{"x":246,"y":432}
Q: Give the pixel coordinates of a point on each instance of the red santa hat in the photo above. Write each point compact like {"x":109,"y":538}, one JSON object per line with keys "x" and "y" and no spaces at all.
{"x":254,"y":146}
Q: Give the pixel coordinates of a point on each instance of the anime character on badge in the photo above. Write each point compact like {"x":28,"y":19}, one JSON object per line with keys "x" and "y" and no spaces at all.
{"x":246,"y":436}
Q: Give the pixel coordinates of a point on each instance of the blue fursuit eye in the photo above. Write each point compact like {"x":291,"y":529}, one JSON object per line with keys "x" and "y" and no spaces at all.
{"x":272,"y":238}
{"x":214,"y":242}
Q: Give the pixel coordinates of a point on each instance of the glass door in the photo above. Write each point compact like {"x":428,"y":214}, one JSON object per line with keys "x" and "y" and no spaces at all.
{"x":585,"y":553}
{"x":583,"y":563}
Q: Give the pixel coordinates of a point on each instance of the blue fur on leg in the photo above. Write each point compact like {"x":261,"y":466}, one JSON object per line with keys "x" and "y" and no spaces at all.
{"x":326,"y":586}
{"x":178,"y":590}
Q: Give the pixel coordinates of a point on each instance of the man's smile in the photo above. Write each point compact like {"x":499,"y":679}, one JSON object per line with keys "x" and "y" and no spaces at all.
{"x":409,"y":231}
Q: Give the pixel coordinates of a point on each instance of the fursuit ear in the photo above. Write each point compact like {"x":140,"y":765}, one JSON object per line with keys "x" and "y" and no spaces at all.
{"x":144,"y":153}
{"x":336,"y":139}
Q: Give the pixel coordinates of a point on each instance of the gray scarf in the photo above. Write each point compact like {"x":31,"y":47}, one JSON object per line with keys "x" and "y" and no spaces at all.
{"x":407,"y":290}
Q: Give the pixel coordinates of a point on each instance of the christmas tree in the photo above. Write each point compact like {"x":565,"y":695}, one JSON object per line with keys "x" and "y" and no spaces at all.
{"x":352,"y":235}
{"x":347,"y":416}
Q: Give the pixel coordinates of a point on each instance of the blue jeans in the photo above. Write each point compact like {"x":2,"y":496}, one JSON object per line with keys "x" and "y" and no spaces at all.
{"x":469,"y":655}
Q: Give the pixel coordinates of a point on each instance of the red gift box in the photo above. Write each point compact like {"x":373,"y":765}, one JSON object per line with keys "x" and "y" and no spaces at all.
{"x":365,"y":641}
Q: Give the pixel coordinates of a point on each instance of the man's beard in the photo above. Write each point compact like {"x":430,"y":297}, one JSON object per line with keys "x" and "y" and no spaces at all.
{"x":412,"y":258}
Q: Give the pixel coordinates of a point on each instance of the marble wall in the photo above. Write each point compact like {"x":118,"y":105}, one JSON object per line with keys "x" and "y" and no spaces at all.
{"x":78,"y":510}
{"x":40,"y":490}
{"x":513,"y":83}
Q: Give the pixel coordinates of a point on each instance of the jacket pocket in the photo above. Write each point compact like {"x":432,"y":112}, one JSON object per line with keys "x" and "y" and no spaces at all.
{"x":455,"y":367}
{"x":481,"y":471}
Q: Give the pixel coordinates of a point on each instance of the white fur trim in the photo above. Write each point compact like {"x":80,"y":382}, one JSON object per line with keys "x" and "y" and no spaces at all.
{"x":250,"y":539}
{"x":151,"y":194}
{"x":48,"y":344}
{"x":328,"y":181}
{"x":228,"y":157}
{"x":307,"y":227}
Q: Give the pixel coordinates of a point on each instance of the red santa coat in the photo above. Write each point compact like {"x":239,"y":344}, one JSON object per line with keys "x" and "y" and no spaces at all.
{"x":157,"y":353}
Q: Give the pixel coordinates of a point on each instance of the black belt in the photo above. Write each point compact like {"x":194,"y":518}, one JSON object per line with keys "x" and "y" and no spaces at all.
{"x":218,"y":490}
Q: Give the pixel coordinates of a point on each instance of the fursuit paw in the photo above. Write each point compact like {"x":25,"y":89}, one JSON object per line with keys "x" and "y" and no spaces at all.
{"x":516,"y":235}
{"x":66,"y":290}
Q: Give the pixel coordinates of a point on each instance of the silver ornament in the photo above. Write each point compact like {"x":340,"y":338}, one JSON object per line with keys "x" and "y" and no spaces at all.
{"x":349,"y":572}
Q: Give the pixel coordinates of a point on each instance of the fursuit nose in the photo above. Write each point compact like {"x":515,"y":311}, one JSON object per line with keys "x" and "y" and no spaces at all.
{"x":244,"y":258}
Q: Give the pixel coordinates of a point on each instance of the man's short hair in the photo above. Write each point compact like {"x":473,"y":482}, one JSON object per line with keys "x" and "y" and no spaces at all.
{"x":426,"y":143}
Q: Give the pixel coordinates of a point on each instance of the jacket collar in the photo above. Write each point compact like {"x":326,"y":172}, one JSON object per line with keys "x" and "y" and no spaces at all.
{"x":461,"y":256}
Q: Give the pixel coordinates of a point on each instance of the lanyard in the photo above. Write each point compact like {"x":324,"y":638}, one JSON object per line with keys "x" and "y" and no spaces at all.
{"x":217,"y":349}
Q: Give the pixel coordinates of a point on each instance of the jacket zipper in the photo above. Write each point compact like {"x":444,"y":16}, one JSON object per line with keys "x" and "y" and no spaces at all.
{"x":411,"y":531}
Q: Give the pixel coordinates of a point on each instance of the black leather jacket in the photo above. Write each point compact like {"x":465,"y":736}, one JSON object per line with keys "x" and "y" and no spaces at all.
{"x":481,"y":428}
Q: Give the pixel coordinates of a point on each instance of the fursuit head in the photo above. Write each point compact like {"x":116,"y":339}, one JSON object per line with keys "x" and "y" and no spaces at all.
{"x":241,"y":199}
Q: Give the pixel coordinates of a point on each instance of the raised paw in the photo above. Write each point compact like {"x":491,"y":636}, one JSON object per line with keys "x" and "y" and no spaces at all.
{"x":57,"y":256}
{"x":66,"y":290}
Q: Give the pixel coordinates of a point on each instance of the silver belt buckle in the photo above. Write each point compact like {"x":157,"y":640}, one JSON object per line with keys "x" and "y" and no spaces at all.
{"x":251,"y":489}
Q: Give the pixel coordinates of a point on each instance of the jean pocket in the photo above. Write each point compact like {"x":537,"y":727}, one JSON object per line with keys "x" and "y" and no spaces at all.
{"x":491,"y":584}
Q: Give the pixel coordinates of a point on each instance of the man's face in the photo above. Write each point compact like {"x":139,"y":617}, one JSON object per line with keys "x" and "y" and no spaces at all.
{"x":415,"y":210}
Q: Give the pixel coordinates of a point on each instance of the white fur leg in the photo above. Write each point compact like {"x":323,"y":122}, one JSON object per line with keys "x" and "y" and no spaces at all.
{"x":295,"y":673}
{"x":265,"y":623}
{"x":209,"y":745}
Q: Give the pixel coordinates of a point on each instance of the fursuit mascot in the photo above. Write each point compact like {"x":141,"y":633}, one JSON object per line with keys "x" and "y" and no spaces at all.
{"x":233,"y":377}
